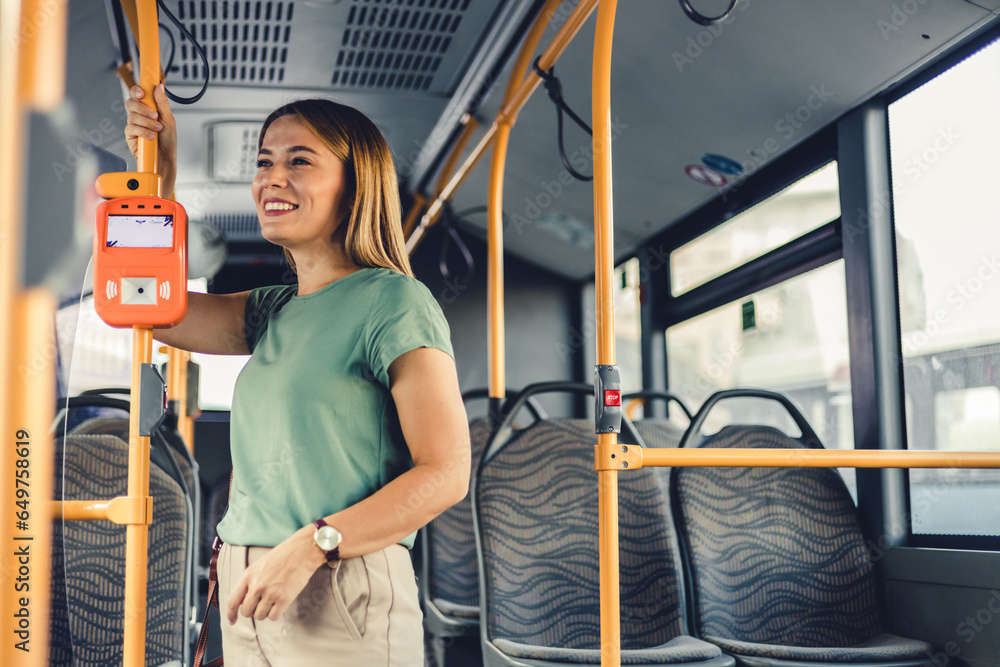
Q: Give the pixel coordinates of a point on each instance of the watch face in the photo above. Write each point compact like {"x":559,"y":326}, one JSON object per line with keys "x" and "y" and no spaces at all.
{"x":327,"y":538}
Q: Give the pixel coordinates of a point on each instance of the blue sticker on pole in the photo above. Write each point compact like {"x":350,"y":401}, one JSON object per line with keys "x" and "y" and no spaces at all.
{"x":722,"y":164}
{"x":706,"y":176}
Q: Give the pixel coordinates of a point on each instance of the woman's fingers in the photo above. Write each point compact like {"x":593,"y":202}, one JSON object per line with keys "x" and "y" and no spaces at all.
{"x":143,"y":122}
{"x":163,"y":104}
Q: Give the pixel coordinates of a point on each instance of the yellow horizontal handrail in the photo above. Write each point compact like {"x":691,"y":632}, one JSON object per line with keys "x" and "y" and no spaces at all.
{"x":80,"y":510}
{"x":630,"y":457}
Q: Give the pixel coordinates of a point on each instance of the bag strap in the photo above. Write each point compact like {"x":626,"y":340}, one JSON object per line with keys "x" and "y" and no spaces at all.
{"x":213,"y":601}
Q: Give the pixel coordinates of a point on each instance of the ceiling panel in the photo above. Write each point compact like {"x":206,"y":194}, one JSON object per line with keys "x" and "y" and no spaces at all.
{"x":750,"y":89}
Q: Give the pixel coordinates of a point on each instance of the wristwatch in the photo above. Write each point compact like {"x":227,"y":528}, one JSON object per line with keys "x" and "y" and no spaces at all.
{"x":327,"y":538}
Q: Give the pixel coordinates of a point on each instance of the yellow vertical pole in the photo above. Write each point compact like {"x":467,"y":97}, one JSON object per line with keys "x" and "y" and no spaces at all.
{"x":494,"y":243}
{"x":34,"y":406}
{"x":504,"y":122}
{"x":177,"y":370}
{"x":607,"y":482}
{"x":149,"y":77}
{"x":186,"y":424}
{"x":137,"y":534}
{"x":11,"y":165}
{"x":32,"y":78}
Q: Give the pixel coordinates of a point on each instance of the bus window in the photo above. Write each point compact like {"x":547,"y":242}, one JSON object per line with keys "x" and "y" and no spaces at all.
{"x":628,"y":329}
{"x":802,"y":207}
{"x":790,"y":338}
{"x":943,"y":147}
{"x":93,"y":355}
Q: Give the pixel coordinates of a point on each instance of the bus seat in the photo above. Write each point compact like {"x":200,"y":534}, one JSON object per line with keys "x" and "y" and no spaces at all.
{"x":175,"y":459}
{"x":453,"y":584}
{"x":450,"y":589}
{"x":535,"y":511}
{"x":88,"y":572}
{"x":659,"y":431}
{"x":780,"y":574}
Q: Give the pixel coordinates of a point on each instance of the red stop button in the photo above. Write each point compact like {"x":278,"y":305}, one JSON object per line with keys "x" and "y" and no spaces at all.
{"x":612,"y":397}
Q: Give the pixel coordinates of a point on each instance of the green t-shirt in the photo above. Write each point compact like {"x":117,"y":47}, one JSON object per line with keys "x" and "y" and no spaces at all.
{"x":314,"y":427}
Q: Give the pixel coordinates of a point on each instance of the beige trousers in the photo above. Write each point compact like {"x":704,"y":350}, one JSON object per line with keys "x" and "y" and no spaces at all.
{"x":361,"y":613}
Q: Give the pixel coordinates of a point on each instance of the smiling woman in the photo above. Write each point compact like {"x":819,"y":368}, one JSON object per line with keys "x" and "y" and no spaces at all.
{"x":347,"y":407}
{"x":303,"y":148}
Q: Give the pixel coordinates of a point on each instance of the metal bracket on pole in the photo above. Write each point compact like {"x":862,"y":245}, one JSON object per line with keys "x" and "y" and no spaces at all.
{"x":125,"y":510}
{"x":617,"y":457}
{"x":608,"y":399}
{"x":152,"y":399}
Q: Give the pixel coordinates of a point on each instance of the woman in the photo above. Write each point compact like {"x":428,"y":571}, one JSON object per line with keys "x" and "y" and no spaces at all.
{"x":348,"y":429}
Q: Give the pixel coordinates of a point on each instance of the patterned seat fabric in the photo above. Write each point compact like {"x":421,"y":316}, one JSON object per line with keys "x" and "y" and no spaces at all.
{"x":454,"y":575}
{"x":778,"y":561}
{"x":538,"y":522}
{"x":88,"y":573}
{"x":657,"y":432}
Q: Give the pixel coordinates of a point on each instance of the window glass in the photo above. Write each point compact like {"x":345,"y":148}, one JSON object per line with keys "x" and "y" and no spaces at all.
{"x":628,"y":329}
{"x":809,"y":203}
{"x":93,"y":354}
{"x":790,"y":338}
{"x":943,"y":147}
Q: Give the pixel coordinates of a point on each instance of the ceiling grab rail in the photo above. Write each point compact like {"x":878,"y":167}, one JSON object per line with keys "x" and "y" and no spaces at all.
{"x":514,"y":100}
{"x":496,"y":338}
{"x":32,"y":79}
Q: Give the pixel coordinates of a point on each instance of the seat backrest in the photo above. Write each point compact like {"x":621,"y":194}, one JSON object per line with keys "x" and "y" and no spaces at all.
{"x":88,"y":573}
{"x":536,"y":509}
{"x":451,"y":544}
{"x":181,"y":458}
{"x":175,"y":459}
{"x":659,"y":432}
{"x":775,"y":555}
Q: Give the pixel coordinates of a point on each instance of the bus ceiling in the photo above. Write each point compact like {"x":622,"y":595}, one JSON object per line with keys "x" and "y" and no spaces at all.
{"x":745,"y":91}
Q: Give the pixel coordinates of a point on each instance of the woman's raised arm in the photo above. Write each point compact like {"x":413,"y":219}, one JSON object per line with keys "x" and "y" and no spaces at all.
{"x":214,"y":324}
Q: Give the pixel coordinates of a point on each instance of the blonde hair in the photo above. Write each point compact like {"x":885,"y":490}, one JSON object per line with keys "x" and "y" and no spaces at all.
{"x":374,"y":230}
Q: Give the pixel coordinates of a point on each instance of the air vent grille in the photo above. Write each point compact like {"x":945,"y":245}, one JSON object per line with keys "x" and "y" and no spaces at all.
{"x":396,"y":44}
{"x":246,"y":41}
{"x":236,"y":226}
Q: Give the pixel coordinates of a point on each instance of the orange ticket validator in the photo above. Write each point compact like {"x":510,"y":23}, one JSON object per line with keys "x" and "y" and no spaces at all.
{"x":140,"y":262}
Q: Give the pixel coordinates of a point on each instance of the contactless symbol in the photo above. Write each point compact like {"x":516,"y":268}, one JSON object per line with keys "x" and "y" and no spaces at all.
{"x":722,"y":164}
{"x":111,"y":289}
{"x":706,"y":175}
{"x":165,"y":289}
